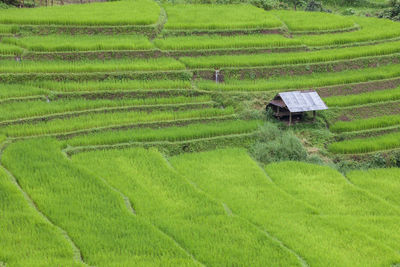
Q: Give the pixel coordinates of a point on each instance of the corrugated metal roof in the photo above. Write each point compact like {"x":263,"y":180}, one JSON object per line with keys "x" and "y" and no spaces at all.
{"x":299,"y":101}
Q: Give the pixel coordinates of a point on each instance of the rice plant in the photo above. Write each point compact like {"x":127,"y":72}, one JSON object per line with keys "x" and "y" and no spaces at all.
{"x":365,"y":124}
{"x":313,"y":21}
{"x":317,"y":233}
{"x":20,"y":90}
{"x":371,"y":30}
{"x":53,"y":43}
{"x":384,"y":183}
{"x":219,"y":42}
{"x":366,"y":145}
{"x":114,"y":85}
{"x":169,"y":202}
{"x":217,"y":17}
{"x":90,"y":121}
{"x":304,"y":81}
{"x":93,"y":214}
{"x":24,"y":109}
{"x":191,"y":131}
{"x":9,"y":49}
{"x":57,"y":66}
{"x":128,"y":12}
{"x":27,"y":239}
{"x":292,"y":57}
{"x":363,"y":98}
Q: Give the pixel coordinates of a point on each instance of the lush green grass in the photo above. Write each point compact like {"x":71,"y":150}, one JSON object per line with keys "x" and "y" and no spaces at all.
{"x":363,"y":98}
{"x":371,"y":30}
{"x":233,"y":178}
{"x":90,"y":121}
{"x":218,"y":42}
{"x":23,"y":109}
{"x":313,"y":21}
{"x":365,"y":145}
{"x":9,"y":49}
{"x":20,"y":90}
{"x":132,"y":12}
{"x":271,"y":59}
{"x":26,"y":238}
{"x":52,"y":43}
{"x":56,"y":66}
{"x":95,"y":216}
{"x":384,"y":183}
{"x":114,"y":85}
{"x":196,"y":221}
{"x":218,"y":17}
{"x":365,"y":124}
{"x":191,"y":131}
{"x":304,"y":81}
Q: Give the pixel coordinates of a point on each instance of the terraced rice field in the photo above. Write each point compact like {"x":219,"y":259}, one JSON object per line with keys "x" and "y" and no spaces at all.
{"x":124,"y":137}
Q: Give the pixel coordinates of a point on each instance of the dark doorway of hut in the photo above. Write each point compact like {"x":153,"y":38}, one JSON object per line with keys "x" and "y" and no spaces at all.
{"x":292,"y":106}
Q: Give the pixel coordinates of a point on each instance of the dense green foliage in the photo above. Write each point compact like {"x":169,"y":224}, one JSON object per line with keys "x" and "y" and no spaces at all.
{"x":9,"y":49}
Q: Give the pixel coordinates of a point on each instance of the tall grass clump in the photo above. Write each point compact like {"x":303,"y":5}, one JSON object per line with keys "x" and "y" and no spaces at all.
{"x":27,"y":239}
{"x":114,"y":85}
{"x":366,"y":145}
{"x":292,"y":57}
{"x":53,"y":42}
{"x":24,"y":109}
{"x":191,"y":131}
{"x":57,"y":66}
{"x":91,"y":121}
{"x":303,"y":81}
{"x":372,"y":29}
{"x":365,"y":124}
{"x":91,"y":212}
{"x":132,"y":12}
{"x":218,"y":17}
{"x":313,"y":21}
{"x":218,"y":42}
{"x":363,"y":98}
{"x":232,"y":177}
{"x":169,"y":202}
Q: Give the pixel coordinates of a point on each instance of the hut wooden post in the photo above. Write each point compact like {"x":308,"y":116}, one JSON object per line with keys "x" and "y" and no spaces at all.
{"x":314,"y":115}
{"x":290,"y":118}
{"x":277,"y":112}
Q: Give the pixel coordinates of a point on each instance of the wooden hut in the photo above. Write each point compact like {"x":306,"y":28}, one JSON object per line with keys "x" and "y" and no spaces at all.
{"x":295,"y":103}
